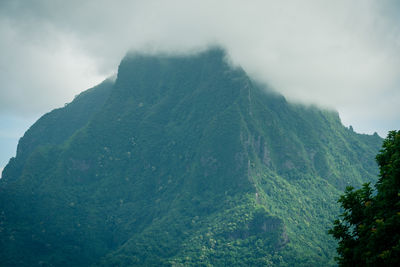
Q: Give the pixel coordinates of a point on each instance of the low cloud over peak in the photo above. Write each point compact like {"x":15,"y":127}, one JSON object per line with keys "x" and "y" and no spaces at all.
{"x":340,"y":54}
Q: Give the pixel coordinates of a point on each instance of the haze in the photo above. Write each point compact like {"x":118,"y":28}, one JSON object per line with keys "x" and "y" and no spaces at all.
{"x":343,"y":55}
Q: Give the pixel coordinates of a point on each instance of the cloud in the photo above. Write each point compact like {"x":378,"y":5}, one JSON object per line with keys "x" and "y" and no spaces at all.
{"x":340,"y":54}
{"x":41,"y":71}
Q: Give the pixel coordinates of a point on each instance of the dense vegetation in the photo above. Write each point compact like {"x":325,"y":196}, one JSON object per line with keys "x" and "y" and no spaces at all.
{"x":180,"y":161}
{"x":369,"y":232}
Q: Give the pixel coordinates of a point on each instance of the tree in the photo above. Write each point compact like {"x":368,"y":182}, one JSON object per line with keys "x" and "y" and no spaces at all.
{"x":369,"y":229}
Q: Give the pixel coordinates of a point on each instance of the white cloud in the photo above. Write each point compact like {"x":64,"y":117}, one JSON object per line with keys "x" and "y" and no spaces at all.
{"x":341,"y":54}
{"x":38,"y":74}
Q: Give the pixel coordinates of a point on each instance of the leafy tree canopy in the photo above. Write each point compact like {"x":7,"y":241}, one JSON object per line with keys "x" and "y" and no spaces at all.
{"x":181,"y":161}
{"x":369,"y":228}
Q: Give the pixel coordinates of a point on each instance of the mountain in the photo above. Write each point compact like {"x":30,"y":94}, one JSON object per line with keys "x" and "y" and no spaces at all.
{"x":182,"y":160}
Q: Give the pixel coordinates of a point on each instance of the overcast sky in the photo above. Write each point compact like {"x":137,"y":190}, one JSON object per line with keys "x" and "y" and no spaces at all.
{"x":343,"y":55}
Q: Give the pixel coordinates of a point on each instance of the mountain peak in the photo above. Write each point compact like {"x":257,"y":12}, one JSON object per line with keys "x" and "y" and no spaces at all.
{"x":149,"y":77}
{"x":182,"y":161}
{"x":162,"y":62}
{"x":211,"y":53}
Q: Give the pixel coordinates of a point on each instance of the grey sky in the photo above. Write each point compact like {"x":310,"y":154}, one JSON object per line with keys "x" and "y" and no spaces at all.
{"x":340,"y":54}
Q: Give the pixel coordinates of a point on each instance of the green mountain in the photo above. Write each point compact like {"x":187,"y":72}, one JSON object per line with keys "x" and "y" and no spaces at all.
{"x":183,"y":160}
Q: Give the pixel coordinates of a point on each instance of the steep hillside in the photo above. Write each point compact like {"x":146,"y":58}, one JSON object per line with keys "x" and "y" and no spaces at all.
{"x":183,"y":160}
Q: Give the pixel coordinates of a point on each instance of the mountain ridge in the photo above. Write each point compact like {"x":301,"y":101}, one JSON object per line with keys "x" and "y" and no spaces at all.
{"x":182,"y":160}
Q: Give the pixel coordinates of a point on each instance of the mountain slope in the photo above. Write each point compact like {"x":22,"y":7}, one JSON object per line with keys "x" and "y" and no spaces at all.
{"x":183,"y":160}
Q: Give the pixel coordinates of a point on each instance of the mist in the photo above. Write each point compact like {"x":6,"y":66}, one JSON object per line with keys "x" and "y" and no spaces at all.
{"x":342,"y":55}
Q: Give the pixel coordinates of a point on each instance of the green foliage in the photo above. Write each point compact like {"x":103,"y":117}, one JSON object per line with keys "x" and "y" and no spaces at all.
{"x":368,"y":231}
{"x":182,"y":161}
